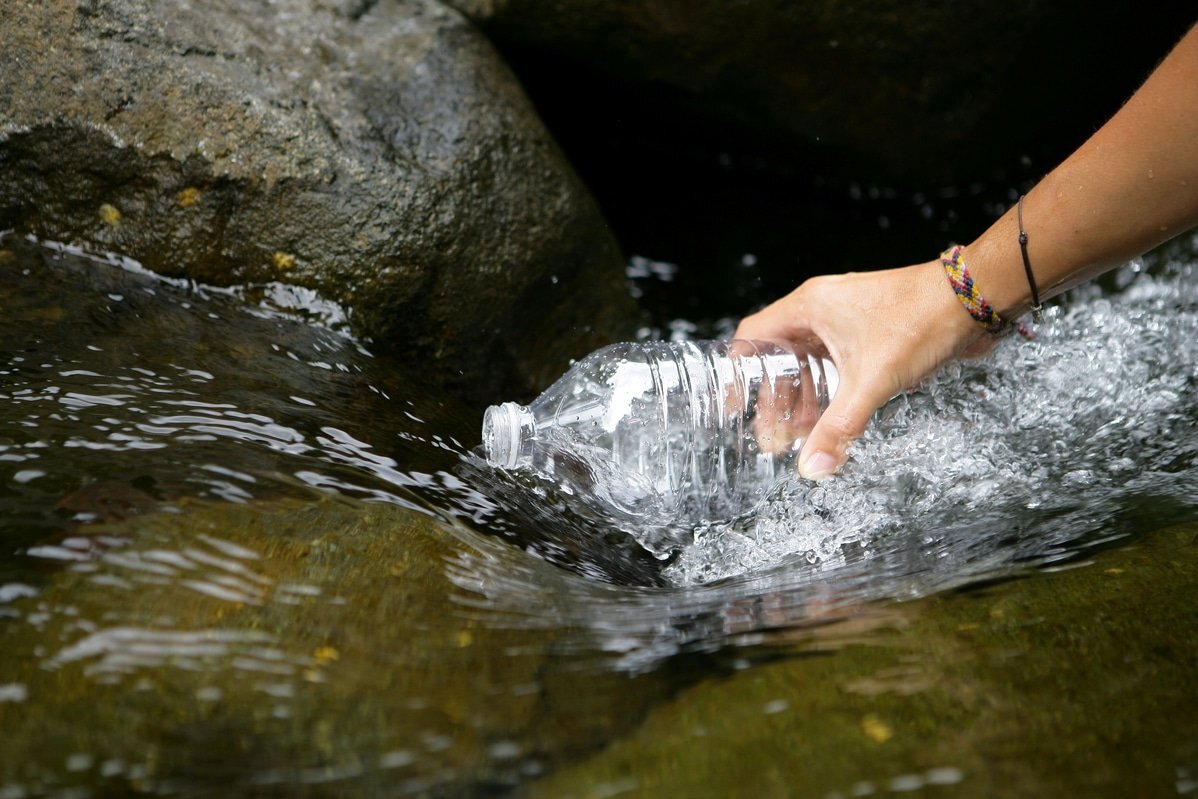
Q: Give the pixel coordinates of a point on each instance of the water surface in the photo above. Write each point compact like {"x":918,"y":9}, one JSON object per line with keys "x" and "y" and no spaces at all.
{"x":241,"y":553}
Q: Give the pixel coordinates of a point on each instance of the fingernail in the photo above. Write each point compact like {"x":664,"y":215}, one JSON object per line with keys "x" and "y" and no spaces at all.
{"x":817,"y":466}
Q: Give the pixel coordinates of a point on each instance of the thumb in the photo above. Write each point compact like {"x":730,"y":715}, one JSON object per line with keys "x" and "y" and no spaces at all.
{"x":826,"y":448}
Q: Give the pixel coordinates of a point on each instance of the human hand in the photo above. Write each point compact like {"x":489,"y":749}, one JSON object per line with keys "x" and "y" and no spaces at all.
{"x":785,"y":387}
{"x":1129,"y":187}
{"x":885,"y":331}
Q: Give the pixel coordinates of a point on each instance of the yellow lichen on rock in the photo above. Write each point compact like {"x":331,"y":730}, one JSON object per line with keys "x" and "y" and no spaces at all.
{"x":283,"y":261}
{"x":875,"y":729}
{"x":188,"y":197}
{"x":110,"y":215}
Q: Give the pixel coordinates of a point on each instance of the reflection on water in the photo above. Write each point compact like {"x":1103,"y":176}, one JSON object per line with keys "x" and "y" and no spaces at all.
{"x":240,"y":550}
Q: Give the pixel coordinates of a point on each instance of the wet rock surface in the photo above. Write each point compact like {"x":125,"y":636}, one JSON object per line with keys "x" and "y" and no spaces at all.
{"x":923,"y":91}
{"x":230,"y":562}
{"x":1078,"y":683}
{"x":379,"y":152}
{"x":160,"y":385}
{"x":307,"y":647}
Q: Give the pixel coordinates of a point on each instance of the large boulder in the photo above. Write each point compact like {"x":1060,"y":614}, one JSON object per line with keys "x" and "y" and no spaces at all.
{"x":893,"y":89}
{"x":379,"y":152}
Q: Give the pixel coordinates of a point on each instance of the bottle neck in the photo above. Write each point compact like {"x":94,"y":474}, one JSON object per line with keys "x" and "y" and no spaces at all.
{"x":508,"y":430}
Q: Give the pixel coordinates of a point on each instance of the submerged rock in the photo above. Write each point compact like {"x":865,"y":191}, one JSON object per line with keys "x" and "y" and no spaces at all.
{"x":379,"y":152}
{"x":1074,"y":683}
{"x":308,"y":648}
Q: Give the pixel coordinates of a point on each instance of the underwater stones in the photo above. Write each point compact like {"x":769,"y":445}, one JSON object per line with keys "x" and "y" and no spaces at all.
{"x":286,"y":643}
{"x":379,"y":152}
{"x":1052,"y":685}
{"x":915,"y":90}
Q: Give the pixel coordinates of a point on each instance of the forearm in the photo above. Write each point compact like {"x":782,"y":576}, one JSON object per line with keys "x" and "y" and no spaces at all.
{"x":1131,"y":186}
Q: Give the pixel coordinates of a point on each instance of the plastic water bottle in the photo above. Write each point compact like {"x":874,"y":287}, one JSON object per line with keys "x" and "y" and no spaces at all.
{"x":688,"y":431}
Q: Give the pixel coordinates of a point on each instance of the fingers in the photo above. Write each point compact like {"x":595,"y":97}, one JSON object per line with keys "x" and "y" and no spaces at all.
{"x":885,"y":331}
{"x":785,"y":397}
{"x":826,"y":448}
{"x":782,"y":323}
{"x":769,"y":417}
{"x":787,"y":409}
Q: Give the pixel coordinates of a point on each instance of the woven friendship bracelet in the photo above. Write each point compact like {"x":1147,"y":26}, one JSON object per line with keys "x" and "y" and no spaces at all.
{"x":967,"y":291}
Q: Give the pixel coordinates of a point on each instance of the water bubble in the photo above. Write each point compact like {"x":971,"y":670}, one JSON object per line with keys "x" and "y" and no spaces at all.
{"x":79,"y":762}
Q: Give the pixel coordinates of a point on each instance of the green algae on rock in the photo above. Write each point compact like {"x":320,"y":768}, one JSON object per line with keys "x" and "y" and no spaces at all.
{"x":305,"y":644}
{"x":1052,"y":684}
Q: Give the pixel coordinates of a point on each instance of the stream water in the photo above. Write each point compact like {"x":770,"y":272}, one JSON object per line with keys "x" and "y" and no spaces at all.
{"x":240,"y":552}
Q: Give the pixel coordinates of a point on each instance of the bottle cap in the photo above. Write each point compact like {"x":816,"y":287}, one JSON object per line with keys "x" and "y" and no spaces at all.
{"x":506,"y":428}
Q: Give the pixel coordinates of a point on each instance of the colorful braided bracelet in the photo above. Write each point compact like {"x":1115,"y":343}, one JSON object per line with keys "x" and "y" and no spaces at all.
{"x":967,"y":291}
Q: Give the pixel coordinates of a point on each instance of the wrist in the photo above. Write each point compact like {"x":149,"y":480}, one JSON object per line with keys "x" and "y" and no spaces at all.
{"x":974,"y":302}
{"x":995,"y":262}
{"x":956,"y":330}
{"x":1052,"y":256}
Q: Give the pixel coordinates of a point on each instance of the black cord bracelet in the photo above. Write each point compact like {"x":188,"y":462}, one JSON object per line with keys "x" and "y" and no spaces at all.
{"x":1037,"y":306}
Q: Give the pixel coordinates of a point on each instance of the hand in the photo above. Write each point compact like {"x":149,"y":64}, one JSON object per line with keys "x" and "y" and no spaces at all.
{"x":1132,"y":185}
{"x":885,"y":331}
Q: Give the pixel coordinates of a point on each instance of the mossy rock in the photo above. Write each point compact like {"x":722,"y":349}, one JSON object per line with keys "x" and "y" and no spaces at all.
{"x":307,"y":647}
{"x":1074,"y":683}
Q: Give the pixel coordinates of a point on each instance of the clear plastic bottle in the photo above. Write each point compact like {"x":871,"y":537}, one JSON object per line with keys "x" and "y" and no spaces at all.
{"x":692,"y":430}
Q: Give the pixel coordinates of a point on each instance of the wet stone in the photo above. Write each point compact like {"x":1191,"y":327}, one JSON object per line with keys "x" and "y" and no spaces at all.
{"x":378,"y":152}
{"x":1074,"y":682}
{"x":235,"y":558}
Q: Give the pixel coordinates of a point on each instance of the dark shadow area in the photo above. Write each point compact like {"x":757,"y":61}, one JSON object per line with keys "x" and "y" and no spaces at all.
{"x":744,"y":216}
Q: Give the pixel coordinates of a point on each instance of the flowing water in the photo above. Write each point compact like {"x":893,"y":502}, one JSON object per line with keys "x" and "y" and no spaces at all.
{"x":240,"y":553}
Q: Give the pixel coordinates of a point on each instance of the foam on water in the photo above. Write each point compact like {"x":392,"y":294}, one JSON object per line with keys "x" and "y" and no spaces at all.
{"x":1040,"y":444}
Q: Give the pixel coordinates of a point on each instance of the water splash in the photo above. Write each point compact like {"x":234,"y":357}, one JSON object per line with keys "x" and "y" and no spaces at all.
{"x":1026,"y":458}
{"x":1027,"y":455}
